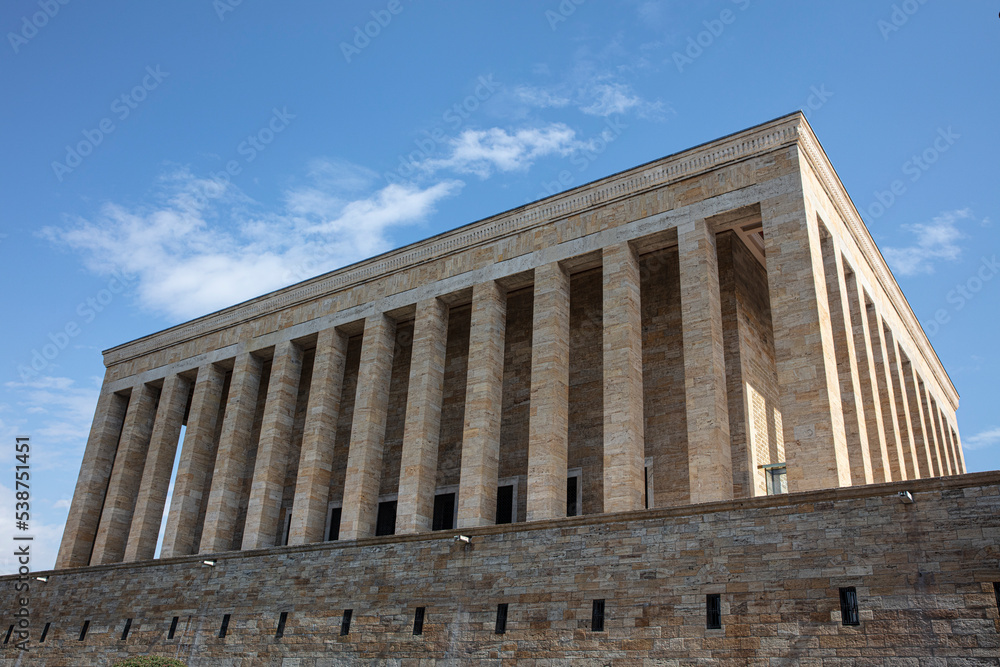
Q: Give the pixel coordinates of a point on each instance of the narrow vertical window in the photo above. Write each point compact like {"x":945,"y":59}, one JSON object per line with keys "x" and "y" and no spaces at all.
{"x":572,"y":485}
{"x":83,"y":631}
{"x":418,"y":621}
{"x":501,"y":626}
{"x":713,"y":611}
{"x":597,"y":616}
{"x":849,"y":606}
{"x":996,"y":593}
{"x":173,"y":627}
{"x":280,"y":632}
{"x":505,"y":504}
{"x":385,"y":522}
{"x":444,"y":512}
{"x":224,"y":630}
{"x":45,"y":632}
{"x":345,"y":622}
{"x":334,"y":534}
{"x":126,"y":629}
{"x":10,"y":630}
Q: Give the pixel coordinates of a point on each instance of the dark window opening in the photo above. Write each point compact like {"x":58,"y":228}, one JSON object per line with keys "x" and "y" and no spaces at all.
{"x":334,"y":525}
{"x":501,"y":627}
{"x":597,"y":616}
{"x":571,"y":488}
{"x":849,"y":606}
{"x":173,"y":627}
{"x":45,"y":632}
{"x":280,"y":632}
{"x":10,"y":631}
{"x":224,"y":630}
{"x":385,"y":523}
{"x":996,"y":592}
{"x":83,"y":631}
{"x":713,"y":611}
{"x":418,"y":621}
{"x":444,"y":512}
{"x":645,"y":486}
{"x":345,"y":622}
{"x":128,"y":627}
{"x":505,"y":504}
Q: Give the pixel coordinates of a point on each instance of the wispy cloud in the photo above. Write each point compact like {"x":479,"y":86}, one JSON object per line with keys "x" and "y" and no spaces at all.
{"x":936,"y":241}
{"x":64,"y":409}
{"x":483,"y":152}
{"x":983,"y":439}
{"x":594,"y":95}
{"x":202,"y":244}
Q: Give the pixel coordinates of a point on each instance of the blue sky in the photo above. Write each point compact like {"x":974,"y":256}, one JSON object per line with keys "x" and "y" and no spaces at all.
{"x":164,"y":160}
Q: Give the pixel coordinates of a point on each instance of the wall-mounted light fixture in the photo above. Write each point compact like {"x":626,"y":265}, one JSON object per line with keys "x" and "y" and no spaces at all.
{"x":210,"y":563}
{"x":906,"y":497}
{"x":463,"y":538}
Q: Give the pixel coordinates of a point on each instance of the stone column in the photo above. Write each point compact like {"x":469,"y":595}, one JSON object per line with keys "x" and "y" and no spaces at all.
{"x":156,"y":473}
{"x":422,"y":427}
{"x":180,"y":538}
{"x":271,"y":466}
{"x":902,"y":407}
{"x":477,"y":492}
{"x":710,"y":466}
{"x":855,"y":429}
{"x":959,"y":454}
{"x":873,"y":422}
{"x":548,"y":422}
{"x":886,"y":396}
{"x":123,"y":489}
{"x":815,"y":443}
{"x":364,"y":458}
{"x":234,"y":444}
{"x":312,"y":486}
{"x":944,"y":452}
{"x":624,"y":444}
{"x":936,"y":458}
{"x":88,"y":498}
{"x":916,"y":418}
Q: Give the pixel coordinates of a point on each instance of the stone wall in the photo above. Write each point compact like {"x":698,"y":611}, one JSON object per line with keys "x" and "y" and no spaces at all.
{"x":923,"y":574}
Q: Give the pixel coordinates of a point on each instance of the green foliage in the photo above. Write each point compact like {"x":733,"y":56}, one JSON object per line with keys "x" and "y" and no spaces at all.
{"x":150,"y":661}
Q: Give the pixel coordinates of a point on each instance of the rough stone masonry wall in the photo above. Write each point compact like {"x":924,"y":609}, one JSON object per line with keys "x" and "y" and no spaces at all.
{"x":923,"y":573}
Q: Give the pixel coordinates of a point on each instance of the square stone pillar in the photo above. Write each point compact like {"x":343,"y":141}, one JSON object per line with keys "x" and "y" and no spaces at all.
{"x":812,"y":417}
{"x":548,"y":422}
{"x":944,"y":453}
{"x":156,"y":473}
{"x":312,"y":485}
{"x":234,"y":445}
{"x":88,"y":498}
{"x":855,"y":428}
{"x":935,"y":455}
{"x":123,"y":489}
{"x":887,"y":395}
{"x":959,"y":454}
{"x":624,"y":444}
{"x":920,"y":441}
{"x":422,"y":427}
{"x":902,"y":406}
{"x":364,"y":457}
{"x":874,"y":421}
{"x":477,"y":492}
{"x":271,"y":466}
{"x":181,"y":536}
{"x":710,"y":465}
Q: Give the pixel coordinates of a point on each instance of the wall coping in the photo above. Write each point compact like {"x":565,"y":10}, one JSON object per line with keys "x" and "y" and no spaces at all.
{"x":804,"y":498}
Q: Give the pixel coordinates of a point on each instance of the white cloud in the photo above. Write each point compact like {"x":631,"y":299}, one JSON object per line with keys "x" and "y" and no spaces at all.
{"x":936,"y":241}
{"x":204,"y":245}
{"x":983,"y":440}
{"x":63,"y":409}
{"x":592,"y":94}
{"x":481,"y":152}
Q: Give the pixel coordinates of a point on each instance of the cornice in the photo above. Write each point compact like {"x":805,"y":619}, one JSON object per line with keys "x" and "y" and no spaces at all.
{"x":691,"y":162}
